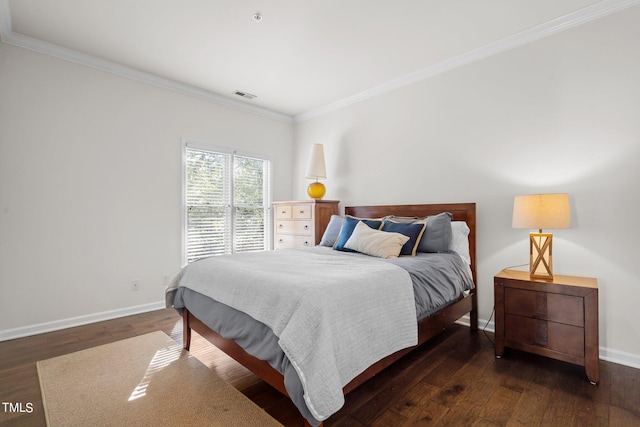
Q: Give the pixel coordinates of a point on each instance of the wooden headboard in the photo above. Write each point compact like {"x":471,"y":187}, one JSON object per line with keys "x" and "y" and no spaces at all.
{"x":460,"y":211}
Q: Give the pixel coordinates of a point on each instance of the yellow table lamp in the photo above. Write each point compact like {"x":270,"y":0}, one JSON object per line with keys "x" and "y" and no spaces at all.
{"x":316,"y":170}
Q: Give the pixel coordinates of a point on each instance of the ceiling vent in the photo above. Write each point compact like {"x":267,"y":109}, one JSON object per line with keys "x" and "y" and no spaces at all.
{"x":244,"y":94}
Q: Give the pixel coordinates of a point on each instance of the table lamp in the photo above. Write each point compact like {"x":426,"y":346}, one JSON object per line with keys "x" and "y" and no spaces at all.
{"x":541,"y":211}
{"x":316,"y":170}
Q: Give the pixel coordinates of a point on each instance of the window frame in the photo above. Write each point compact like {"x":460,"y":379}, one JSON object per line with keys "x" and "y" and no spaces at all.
{"x":228,"y":151}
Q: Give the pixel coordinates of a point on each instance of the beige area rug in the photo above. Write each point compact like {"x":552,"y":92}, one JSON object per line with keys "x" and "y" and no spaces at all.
{"x":147,"y":380}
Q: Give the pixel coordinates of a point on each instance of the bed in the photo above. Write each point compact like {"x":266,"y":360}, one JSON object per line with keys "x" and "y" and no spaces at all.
{"x":258,"y":353}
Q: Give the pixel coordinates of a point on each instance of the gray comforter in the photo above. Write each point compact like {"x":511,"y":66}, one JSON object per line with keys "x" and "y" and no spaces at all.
{"x":437,"y":280}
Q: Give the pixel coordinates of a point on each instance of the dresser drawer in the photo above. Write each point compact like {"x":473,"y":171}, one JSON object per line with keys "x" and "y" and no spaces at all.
{"x":301,"y":223}
{"x":283,"y":212}
{"x":546,"y":306}
{"x":558,"y":337}
{"x":294,"y":227}
{"x":301,"y":212}
{"x":294,"y":242}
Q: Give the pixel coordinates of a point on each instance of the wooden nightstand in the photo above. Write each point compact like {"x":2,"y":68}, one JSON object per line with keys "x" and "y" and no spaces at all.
{"x":301,"y":224}
{"x":555,"y":318}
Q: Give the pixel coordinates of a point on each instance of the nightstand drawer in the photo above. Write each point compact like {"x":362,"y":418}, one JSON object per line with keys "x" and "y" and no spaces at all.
{"x":543,"y":305}
{"x":294,"y":227}
{"x":541,"y":333}
{"x":301,"y":212}
{"x":296,"y":242}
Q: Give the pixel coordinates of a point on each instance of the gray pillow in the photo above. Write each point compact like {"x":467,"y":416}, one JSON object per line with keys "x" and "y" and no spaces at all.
{"x":437,"y":236}
{"x":402,"y":219}
{"x":332,"y":231}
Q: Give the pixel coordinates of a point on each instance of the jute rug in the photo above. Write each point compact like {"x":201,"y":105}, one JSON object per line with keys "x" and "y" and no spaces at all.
{"x":147,"y":380}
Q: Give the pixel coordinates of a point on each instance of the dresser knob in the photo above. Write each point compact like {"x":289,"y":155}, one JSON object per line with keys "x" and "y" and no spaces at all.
{"x":306,"y":243}
{"x":306,"y":227}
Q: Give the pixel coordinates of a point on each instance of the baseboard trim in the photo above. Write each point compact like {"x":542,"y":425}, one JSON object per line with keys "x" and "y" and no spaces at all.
{"x":483,"y":325}
{"x":610,"y":355}
{"x":620,"y":357}
{"x":40,"y":328}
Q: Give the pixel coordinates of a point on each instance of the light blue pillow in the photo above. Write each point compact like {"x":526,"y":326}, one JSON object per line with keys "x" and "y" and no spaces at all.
{"x":332,"y":231}
{"x":348,"y":225}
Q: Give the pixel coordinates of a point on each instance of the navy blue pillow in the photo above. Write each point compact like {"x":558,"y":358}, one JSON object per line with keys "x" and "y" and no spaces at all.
{"x":348,"y":225}
{"x":413,"y":231}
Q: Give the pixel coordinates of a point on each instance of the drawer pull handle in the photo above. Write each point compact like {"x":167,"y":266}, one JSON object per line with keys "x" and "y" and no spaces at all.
{"x":306,"y":227}
{"x":301,"y":212}
{"x":280,"y":241}
{"x":280,"y":225}
{"x":306,"y":243}
{"x":284,"y":212}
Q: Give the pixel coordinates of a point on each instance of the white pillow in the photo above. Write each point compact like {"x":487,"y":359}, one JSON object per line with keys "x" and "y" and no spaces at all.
{"x":382,"y":244}
{"x":460,"y":240}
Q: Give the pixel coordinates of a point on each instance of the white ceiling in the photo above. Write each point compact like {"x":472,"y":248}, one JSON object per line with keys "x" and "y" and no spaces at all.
{"x":304,"y":57}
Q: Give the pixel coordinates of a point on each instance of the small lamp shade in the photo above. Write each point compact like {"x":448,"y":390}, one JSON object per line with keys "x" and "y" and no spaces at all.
{"x":541,"y":211}
{"x":315,"y":167}
{"x":316,"y":170}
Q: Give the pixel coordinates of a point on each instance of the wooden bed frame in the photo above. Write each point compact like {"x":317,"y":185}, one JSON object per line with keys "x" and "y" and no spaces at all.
{"x":427,"y":328}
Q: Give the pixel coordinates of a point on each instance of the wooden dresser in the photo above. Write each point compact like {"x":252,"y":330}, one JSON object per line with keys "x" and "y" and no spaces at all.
{"x":555,"y":318}
{"x":300,"y":224}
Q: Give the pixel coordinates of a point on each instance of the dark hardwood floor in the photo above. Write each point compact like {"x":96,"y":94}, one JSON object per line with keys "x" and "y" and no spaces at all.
{"x":454,"y":380}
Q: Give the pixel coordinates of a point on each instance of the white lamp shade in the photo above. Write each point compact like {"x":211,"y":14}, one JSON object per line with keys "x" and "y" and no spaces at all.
{"x":541,"y":211}
{"x":315,"y":167}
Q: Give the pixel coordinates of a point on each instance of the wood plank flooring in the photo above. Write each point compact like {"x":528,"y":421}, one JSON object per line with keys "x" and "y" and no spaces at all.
{"x":454,"y":380}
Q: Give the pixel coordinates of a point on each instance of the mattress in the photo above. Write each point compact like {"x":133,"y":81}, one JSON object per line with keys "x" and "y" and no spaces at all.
{"x":438,"y":280}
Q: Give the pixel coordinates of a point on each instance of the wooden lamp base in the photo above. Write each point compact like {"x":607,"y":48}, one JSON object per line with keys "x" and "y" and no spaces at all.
{"x":540,"y":255}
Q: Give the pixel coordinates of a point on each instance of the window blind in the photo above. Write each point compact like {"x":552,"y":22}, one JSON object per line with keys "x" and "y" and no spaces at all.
{"x":227,"y":203}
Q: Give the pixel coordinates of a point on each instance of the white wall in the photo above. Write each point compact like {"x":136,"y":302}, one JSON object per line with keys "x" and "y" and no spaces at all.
{"x":90,"y":174}
{"x":558,"y":115}
{"x":90,"y":169}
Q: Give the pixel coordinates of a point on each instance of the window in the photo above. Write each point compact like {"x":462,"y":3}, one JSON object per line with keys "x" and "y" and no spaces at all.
{"x":227,"y":199}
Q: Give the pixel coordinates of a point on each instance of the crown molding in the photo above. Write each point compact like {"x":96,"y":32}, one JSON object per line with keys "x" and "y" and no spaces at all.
{"x":573,"y":19}
{"x":9,"y":37}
